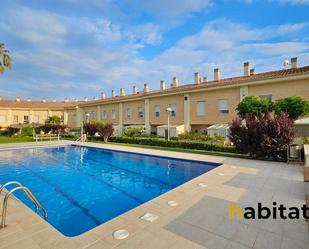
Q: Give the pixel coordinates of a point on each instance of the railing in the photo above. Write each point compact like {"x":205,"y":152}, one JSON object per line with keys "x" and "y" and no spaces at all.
{"x":30,"y":195}
{"x":47,"y":136}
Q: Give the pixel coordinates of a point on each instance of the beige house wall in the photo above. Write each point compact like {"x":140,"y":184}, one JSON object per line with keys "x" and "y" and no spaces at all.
{"x":35,"y":116}
{"x":212,"y":114}
{"x":165,"y":102}
{"x":133,"y":106}
{"x":282,"y":89}
{"x":108,"y":108}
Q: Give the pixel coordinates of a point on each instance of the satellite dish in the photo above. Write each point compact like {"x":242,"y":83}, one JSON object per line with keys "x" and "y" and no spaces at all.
{"x":286,"y":64}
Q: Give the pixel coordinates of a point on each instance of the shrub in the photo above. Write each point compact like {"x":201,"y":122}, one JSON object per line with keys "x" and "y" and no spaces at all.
{"x":263,"y":136}
{"x":194,"y":145}
{"x":53,"y":129}
{"x":133,"y":131}
{"x":27,"y":131}
{"x":91,"y":128}
{"x":293,"y":106}
{"x":104,"y":129}
{"x":252,"y":106}
{"x":10,"y":131}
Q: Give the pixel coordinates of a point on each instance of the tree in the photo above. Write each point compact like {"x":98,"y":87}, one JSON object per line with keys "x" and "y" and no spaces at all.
{"x":264,"y":135}
{"x":106,"y":131}
{"x":5,"y":59}
{"x":252,"y":106}
{"x":294,"y":106}
{"x":53,"y":120}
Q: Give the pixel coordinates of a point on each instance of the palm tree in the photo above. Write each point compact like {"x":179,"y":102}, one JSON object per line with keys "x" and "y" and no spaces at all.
{"x":5,"y":59}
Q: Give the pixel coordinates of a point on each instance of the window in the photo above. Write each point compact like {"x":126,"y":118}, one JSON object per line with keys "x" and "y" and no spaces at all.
{"x":129,"y":112}
{"x":113,"y":114}
{"x":92,"y":116}
{"x":26,"y":119}
{"x":266,"y":97}
{"x":36,"y":119}
{"x":223,"y":106}
{"x":104,"y":114}
{"x":140,"y":112}
{"x":15,"y":119}
{"x":200,"y":108}
{"x":173,"y":107}
{"x":2,"y":118}
{"x":157,"y":111}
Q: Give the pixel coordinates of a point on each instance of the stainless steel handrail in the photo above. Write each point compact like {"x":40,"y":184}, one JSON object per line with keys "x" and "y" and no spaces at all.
{"x":29,"y":194}
{"x":9,"y":183}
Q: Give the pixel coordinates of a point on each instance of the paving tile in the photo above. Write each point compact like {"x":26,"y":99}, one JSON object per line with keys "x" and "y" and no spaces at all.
{"x":267,"y":240}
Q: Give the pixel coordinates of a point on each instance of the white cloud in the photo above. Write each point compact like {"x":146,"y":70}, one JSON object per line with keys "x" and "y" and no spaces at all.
{"x":70,"y":56}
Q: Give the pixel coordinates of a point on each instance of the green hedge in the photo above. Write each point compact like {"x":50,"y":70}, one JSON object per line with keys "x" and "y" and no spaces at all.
{"x":193,"y":145}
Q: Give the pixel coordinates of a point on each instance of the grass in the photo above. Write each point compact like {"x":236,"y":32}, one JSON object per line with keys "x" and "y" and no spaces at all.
{"x":15,"y":139}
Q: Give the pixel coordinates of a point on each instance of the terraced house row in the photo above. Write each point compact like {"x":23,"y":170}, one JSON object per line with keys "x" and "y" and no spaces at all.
{"x":194,"y":106}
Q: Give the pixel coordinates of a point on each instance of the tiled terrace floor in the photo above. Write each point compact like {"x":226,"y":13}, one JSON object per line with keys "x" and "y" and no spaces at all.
{"x":201,"y":219}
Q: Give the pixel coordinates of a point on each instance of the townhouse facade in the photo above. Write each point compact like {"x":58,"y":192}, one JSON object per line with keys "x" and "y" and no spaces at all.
{"x":194,"y":107}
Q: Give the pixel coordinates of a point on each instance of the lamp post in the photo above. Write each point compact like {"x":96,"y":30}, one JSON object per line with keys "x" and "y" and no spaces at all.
{"x":169,"y":111}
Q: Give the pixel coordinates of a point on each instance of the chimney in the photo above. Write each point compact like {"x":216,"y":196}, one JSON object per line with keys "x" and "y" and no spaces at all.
{"x":18,"y":99}
{"x":95,"y":98}
{"x":294,"y":62}
{"x":44,"y":100}
{"x":197,"y":78}
{"x":102,"y":95}
{"x":216,"y":74}
{"x":247,"y":68}
{"x":205,"y":79}
{"x":54,"y":100}
{"x":174,"y":82}
{"x":85,"y":99}
{"x":162,"y":85}
{"x":134,"y":89}
{"x":146,"y":88}
{"x":29,"y":100}
{"x":113,"y":94}
{"x":122,"y":92}
{"x":252,"y":71}
{"x":66,"y":100}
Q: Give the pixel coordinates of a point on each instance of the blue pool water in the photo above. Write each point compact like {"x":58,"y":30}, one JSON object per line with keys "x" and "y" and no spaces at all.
{"x":83,"y":187}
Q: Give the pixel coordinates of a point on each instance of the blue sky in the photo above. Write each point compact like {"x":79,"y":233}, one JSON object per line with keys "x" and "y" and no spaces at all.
{"x":77,"y":48}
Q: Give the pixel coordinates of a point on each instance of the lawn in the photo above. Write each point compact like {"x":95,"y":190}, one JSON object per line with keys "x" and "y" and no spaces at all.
{"x":15,"y":139}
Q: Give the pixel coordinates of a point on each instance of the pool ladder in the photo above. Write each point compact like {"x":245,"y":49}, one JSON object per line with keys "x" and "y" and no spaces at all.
{"x":31,"y":196}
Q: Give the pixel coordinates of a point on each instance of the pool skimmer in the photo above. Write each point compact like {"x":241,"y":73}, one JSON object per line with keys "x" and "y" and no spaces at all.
{"x":202,"y":185}
{"x":149,"y":217}
{"x":121,"y":234}
{"x":172,"y":203}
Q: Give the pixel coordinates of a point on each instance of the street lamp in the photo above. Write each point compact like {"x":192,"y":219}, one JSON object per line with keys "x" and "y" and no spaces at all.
{"x":169,"y":112}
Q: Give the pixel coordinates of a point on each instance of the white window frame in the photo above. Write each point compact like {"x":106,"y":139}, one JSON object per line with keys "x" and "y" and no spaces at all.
{"x":129,"y":113}
{"x":104,"y":114}
{"x":174,"y":110}
{"x":223,"y":108}
{"x":36,"y":119}
{"x":157,"y":110}
{"x":26,"y":120}
{"x":2,"y":118}
{"x":113,"y":114}
{"x":201,"y":108}
{"x":15,"y":119}
{"x":140,"y":112}
{"x":266,"y":97}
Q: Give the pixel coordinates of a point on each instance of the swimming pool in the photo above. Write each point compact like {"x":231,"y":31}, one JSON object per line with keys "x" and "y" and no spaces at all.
{"x":83,"y":187}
